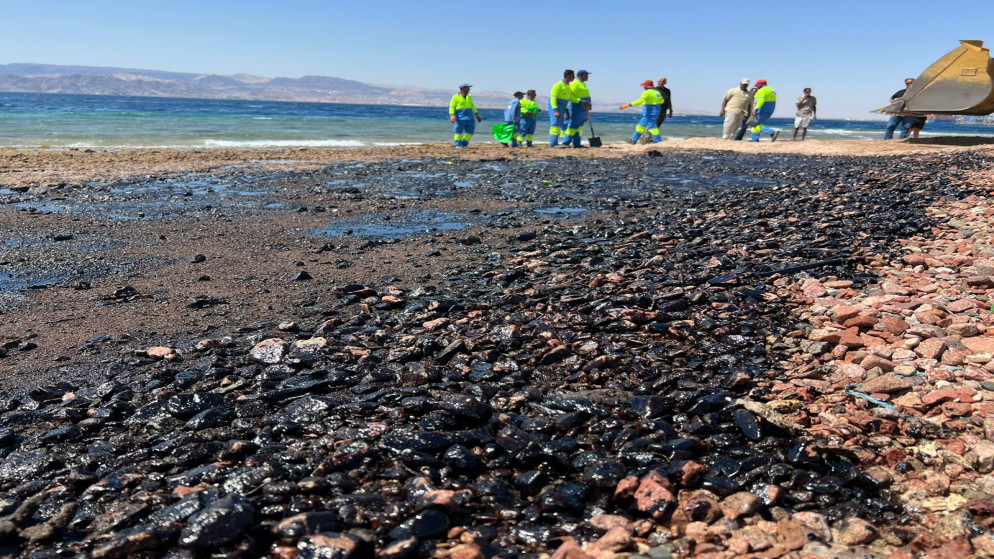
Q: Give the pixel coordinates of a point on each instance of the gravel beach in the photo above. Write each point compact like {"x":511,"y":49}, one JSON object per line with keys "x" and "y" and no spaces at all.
{"x":695,"y":348}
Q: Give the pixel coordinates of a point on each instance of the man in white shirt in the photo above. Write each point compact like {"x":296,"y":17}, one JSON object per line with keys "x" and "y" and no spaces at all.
{"x":807,"y":110}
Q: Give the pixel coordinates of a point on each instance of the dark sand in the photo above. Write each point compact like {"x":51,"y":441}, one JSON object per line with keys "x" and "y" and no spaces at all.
{"x":251,"y":256}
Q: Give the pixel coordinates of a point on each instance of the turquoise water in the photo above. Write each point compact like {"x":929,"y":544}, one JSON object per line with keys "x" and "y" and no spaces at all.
{"x":32,"y":120}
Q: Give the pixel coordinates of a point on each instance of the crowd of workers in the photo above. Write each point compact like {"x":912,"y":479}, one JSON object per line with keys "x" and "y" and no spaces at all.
{"x":569,"y":109}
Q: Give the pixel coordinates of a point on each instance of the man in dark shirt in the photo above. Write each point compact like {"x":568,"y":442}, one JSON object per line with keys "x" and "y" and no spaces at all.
{"x":667,"y":106}
{"x":895,"y":120}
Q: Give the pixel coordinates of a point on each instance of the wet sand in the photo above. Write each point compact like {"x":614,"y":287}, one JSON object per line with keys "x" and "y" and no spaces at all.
{"x":19,"y":167}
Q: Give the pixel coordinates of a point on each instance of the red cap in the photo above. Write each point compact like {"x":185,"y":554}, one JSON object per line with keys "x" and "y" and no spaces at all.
{"x":760,"y":82}
{"x":648,"y":83}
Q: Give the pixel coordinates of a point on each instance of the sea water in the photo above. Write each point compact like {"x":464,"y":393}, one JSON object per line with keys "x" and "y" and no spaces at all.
{"x":33,"y":120}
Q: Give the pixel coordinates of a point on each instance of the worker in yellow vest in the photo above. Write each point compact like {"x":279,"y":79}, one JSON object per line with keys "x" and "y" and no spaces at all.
{"x":559,"y":99}
{"x":652,"y":102}
{"x":461,"y":114}
{"x":766,"y":102}
{"x":578,"y":107}
{"x":529,"y":113}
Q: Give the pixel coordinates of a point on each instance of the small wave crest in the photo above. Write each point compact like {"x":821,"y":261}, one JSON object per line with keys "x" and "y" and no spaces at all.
{"x":282,"y":143}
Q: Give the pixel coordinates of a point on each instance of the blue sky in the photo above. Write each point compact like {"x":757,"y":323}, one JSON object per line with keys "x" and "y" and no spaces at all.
{"x":854,"y":55}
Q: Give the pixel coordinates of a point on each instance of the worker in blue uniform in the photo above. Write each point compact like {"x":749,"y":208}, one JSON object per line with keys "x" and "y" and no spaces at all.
{"x":559,"y":99}
{"x":766,"y":102}
{"x":578,"y":107}
{"x":651,"y":101}
{"x":512,"y":115}
{"x":463,"y":115}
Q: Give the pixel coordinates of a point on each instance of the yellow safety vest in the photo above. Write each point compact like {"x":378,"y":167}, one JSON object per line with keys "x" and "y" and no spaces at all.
{"x":459,"y":105}
{"x":649,"y":97}
{"x":529,"y":108}
{"x":579,"y":91}
{"x":560,"y":91}
{"x":765,"y":95}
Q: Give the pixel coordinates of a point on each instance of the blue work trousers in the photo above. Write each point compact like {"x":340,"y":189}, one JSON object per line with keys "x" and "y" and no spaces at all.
{"x":528,"y":126}
{"x":649,"y":114}
{"x":577,"y":116}
{"x":762,"y":116}
{"x":557,"y":125}
{"x":463,"y":130}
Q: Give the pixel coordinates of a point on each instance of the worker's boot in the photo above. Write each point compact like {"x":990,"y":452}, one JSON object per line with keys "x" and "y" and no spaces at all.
{"x":635,"y":137}
{"x":553,"y":140}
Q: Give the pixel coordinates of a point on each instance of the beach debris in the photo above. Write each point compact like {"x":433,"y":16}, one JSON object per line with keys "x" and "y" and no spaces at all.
{"x":205,"y":301}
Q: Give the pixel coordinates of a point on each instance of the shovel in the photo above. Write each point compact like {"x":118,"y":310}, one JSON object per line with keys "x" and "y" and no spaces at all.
{"x":593,"y":140}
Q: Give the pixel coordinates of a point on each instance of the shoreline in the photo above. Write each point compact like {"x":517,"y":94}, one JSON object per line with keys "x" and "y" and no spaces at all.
{"x":72,"y":166}
{"x":931,"y":279}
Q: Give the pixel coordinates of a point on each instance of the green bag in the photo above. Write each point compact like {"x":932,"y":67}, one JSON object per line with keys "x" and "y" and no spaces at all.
{"x":504,"y":132}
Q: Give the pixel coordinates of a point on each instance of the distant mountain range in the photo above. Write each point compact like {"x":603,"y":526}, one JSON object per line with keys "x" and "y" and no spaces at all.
{"x":46,"y":78}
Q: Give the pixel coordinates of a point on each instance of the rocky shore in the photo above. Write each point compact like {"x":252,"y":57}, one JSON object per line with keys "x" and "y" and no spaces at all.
{"x":779,"y":350}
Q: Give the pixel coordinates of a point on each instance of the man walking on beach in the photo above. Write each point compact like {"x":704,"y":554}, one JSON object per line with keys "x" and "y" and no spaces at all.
{"x":651,"y":100}
{"x":895,"y":120}
{"x":578,"y":107}
{"x":461,"y":114}
{"x":529,"y":112}
{"x":807,"y":110}
{"x":559,"y":99}
{"x":512,"y":117}
{"x":667,"y":105}
{"x":735,"y":108}
{"x":740,"y":135}
{"x":766,"y":102}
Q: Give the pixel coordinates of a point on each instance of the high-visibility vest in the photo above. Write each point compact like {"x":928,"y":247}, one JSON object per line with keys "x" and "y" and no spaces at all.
{"x":529,"y":108}
{"x":462,"y":106}
{"x":649,"y":97}
{"x":560,"y":92}
{"x":765,"y":95}
{"x":579,"y":91}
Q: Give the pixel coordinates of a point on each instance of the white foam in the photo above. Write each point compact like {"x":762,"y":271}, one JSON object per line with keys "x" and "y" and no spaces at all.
{"x":282,"y":143}
{"x":209,"y":144}
{"x":856,"y":134}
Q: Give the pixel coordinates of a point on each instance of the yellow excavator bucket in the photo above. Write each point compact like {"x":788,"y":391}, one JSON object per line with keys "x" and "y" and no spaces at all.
{"x":959,"y":83}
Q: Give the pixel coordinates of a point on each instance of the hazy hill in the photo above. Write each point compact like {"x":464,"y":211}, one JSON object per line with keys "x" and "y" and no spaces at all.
{"x":47,"y":78}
